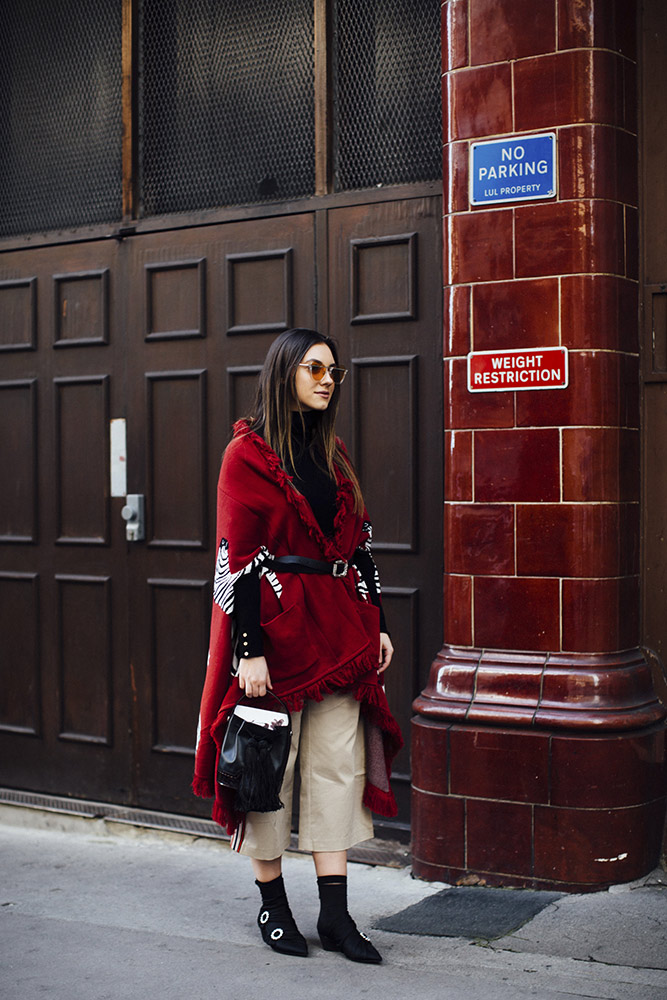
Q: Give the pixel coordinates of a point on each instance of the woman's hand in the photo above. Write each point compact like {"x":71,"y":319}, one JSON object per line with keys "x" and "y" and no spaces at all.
{"x":254,"y":676}
{"x":386,"y":652}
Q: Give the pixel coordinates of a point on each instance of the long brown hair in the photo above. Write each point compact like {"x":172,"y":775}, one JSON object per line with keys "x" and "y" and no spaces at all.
{"x":276,"y":399}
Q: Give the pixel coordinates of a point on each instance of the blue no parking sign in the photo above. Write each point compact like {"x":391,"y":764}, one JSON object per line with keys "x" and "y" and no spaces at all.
{"x":522,"y":168}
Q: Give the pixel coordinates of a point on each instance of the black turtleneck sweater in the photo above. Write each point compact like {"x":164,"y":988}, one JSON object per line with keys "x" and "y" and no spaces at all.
{"x":309,"y":477}
{"x":320,"y":491}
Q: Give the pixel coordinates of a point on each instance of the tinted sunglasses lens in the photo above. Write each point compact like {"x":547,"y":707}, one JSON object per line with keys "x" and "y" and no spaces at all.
{"x":317,"y":371}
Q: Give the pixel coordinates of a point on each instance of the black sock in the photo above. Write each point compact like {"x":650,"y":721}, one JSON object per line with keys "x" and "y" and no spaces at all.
{"x":333,"y":898}
{"x":272,"y":891}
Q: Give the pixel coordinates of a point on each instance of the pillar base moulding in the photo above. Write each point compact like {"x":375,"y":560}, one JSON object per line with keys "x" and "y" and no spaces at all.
{"x":595,"y":691}
{"x":538,"y":770}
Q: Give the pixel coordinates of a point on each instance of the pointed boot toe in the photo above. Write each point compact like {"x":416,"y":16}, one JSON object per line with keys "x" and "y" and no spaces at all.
{"x":349,"y":940}
{"x":278,"y":929}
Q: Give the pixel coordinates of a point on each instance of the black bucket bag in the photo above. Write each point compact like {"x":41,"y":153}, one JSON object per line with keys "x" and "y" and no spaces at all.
{"x":254,"y":753}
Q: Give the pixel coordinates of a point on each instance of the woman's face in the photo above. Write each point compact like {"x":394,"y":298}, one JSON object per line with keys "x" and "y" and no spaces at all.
{"x":314,"y":395}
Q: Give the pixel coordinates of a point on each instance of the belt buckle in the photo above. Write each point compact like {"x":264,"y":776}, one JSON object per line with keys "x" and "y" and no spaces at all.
{"x":339,"y":568}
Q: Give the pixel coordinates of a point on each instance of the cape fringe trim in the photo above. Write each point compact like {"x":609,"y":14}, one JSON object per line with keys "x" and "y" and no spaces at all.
{"x":345,"y":676}
{"x":344,"y":498}
{"x":203,"y":787}
{"x":382,"y":803}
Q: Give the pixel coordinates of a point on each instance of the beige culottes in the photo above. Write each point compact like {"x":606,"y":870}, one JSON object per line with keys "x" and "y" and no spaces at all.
{"x":328,"y":741}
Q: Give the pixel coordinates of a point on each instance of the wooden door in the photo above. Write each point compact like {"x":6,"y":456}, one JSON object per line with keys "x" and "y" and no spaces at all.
{"x":205,"y":306}
{"x":103,"y":641}
{"x":383,"y":307}
{"x":63,"y":570}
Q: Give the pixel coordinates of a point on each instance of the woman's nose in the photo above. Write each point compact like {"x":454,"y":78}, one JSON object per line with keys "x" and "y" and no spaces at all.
{"x":326,"y":378}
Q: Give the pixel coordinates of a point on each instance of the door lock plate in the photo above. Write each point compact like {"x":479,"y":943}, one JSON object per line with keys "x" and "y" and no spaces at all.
{"x":134,"y":515}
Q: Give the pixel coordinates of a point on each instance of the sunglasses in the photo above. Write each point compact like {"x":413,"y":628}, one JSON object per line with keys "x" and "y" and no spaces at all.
{"x":317,"y":370}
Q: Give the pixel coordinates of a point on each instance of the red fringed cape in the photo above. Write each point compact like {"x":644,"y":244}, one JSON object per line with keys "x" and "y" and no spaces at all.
{"x":321,"y":633}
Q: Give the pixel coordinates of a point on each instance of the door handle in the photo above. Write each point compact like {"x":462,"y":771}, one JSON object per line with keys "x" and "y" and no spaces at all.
{"x":134,"y":515}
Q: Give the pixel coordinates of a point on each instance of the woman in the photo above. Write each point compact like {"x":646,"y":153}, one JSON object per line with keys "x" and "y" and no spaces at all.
{"x":309,"y":628}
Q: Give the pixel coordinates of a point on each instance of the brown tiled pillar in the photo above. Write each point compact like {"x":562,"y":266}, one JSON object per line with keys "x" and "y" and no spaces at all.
{"x":538,"y":744}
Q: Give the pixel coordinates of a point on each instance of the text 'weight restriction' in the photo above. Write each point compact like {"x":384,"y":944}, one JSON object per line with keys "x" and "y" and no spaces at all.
{"x":509,"y":371}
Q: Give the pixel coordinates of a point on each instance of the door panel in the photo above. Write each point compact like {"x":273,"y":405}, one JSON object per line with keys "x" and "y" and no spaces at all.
{"x":18,"y":310}
{"x":20,"y":702}
{"x":81,"y":426}
{"x":85,"y":638}
{"x":179,"y":612}
{"x":176,"y":407}
{"x":18,"y":452}
{"x":385,"y":389}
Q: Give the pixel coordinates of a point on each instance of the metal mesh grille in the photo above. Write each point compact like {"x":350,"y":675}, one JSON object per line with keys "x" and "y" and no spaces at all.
{"x":60,"y":114}
{"x":227,"y":102}
{"x":387,"y":92}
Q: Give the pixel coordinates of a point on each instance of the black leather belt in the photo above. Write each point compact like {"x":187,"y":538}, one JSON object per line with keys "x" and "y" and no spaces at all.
{"x":301,"y":564}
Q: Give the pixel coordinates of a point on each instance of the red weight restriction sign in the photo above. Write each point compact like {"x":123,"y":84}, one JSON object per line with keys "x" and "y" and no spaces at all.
{"x":509,"y":371}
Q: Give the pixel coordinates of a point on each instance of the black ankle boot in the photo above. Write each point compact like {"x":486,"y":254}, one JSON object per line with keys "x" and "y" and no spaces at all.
{"x":336,"y":928}
{"x":276,"y":922}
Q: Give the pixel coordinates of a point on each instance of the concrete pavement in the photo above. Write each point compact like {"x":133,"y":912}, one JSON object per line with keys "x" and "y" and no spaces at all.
{"x":92,"y":910}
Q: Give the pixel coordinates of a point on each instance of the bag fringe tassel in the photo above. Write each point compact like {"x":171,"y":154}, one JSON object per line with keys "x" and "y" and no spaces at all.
{"x":258,"y":790}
